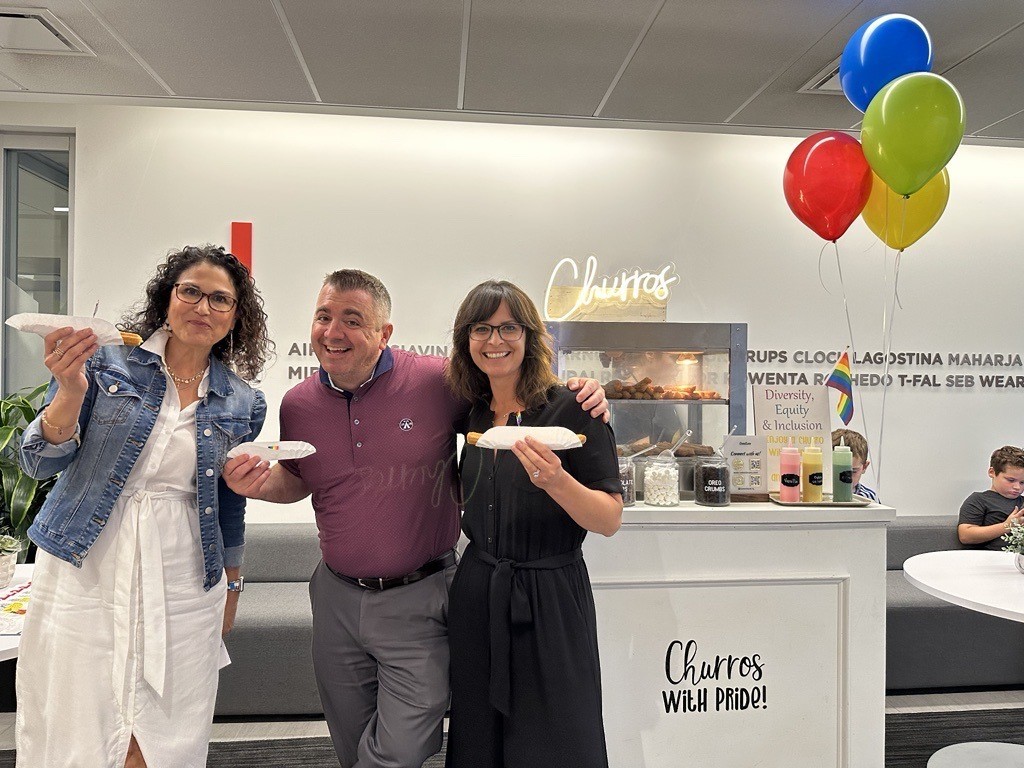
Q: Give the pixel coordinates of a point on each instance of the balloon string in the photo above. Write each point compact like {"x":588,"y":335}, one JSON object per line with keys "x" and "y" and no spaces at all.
{"x":903,"y":232}
{"x":885,"y":371}
{"x":821,"y":279}
{"x":849,"y":327}
{"x":885,"y":326}
{"x":842,"y":284}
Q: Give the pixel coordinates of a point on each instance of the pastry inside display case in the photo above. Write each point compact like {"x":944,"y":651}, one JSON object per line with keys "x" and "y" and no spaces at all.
{"x":645,"y":389}
{"x":644,"y":444}
{"x":662,"y":380}
{"x":657,"y":375}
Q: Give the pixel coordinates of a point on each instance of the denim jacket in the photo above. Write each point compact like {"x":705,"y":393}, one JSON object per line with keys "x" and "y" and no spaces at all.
{"x":126,"y":388}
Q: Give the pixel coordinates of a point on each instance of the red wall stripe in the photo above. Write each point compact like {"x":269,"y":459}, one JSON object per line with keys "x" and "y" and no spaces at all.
{"x":241,"y":242}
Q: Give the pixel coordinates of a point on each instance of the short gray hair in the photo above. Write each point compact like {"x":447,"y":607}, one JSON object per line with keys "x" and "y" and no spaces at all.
{"x":357,"y":280}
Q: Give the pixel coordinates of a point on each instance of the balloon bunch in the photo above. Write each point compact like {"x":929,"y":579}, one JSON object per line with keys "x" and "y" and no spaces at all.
{"x":913,"y":123}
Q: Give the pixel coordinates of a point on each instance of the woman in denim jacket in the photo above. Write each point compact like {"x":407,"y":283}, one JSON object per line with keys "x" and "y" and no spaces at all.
{"x":120,"y":652}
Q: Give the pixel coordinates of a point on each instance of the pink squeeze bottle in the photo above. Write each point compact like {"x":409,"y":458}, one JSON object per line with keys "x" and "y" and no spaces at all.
{"x":789,"y":474}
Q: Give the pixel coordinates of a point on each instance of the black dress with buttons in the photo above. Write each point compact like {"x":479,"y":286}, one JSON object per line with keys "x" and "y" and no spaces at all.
{"x":526,"y":679}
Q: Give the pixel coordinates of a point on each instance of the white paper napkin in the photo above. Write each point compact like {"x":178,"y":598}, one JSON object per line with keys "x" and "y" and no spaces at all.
{"x":224,"y":659}
{"x":286,"y":449}
{"x":555,"y":438}
{"x":43,"y":324}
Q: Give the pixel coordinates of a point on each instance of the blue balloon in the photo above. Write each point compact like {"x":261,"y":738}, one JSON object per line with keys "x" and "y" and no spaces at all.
{"x":880,"y":51}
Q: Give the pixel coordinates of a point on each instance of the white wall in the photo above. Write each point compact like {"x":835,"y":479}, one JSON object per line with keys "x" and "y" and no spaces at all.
{"x":434,"y":207}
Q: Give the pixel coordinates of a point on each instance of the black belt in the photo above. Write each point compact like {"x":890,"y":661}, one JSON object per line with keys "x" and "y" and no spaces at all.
{"x":380,"y":584}
{"x":510,"y":606}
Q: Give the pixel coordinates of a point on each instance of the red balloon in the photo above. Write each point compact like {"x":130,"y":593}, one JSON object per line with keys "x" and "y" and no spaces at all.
{"x":827,"y":182}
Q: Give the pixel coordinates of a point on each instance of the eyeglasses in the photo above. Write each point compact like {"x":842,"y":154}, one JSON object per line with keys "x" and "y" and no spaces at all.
{"x":507,"y":331}
{"x":219,"y":302}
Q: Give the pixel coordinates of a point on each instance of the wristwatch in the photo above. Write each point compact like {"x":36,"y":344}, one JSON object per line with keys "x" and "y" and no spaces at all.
{"x":237,"y":585}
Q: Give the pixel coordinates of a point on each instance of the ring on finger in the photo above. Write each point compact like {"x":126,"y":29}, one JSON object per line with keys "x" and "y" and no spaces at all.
{"x":60,"y":352}
{"x":536,"y":473}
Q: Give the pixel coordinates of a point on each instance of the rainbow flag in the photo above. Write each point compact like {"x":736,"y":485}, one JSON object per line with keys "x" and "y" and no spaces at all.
{"x":840,"y":380}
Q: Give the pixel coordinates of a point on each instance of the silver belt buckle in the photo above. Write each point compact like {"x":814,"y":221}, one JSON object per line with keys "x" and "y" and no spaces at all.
{"x":371,"y":583}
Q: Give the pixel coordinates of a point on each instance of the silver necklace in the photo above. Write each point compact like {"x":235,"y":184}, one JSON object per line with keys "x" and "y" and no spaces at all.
{"x":184,"y":382}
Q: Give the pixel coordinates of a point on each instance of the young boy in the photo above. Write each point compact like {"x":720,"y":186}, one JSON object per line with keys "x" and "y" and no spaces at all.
{"x":987,"y":515}
{"x":859,"y":448}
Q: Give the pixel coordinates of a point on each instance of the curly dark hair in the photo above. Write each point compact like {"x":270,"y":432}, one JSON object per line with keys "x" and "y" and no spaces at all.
{"x":252,"y":347}
{"x":535,"y":377}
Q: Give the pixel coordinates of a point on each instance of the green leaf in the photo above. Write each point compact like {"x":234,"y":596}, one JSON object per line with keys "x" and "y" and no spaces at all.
{"x":38,"y":392}
{"x":22,"y":495}
{"x":11,"y":473}
{"x":28,"y":411}
{"x":7,"y":434}
{"x":21,"y":500}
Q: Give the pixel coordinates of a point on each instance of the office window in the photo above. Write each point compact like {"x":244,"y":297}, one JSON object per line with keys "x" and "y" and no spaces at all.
{"x":35,"y":231}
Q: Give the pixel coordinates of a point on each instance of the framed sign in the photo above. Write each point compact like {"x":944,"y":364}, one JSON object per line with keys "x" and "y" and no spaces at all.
{"x":793,"y":415}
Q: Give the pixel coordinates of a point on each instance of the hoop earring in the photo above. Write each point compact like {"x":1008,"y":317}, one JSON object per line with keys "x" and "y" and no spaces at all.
{"x":231,"y":344}
{"x":167,"y":327}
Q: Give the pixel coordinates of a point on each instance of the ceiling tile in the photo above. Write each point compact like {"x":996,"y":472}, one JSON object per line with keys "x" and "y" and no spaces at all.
{"x":991,"y":81}
{"x":956,"y":29}
{"x":112,"y":71}
{"x":386,"y":53}
{"x":7,"y":84}
{"x":699,"y":65}
{"x":229,"y":49}
{"x":701,"y":61}
{"x":552,"y":57}
{"x":1010,"y":128}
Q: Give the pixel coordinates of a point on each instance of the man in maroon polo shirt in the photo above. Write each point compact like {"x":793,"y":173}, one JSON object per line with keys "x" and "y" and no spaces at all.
{"x":384,"y":491}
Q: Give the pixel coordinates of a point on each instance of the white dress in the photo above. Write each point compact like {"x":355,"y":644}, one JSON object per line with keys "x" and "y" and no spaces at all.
{"x":129,"y":643}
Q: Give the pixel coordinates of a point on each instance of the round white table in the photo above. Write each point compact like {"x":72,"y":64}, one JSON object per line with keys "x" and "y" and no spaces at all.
{"x":981,"y":580}
{"x":985,"y":581}
{"x":978,"y":754}
{"x":9,"y":643}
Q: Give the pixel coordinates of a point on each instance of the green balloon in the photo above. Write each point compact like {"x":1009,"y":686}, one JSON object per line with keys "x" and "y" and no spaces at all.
{"x":911,"y":129}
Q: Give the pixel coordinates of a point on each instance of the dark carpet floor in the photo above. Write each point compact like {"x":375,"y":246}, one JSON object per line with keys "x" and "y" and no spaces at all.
{"x":911,"y":738}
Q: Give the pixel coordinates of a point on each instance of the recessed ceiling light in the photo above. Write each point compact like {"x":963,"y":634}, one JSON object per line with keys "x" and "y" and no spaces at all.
{"x":826,"y":81}
{"x":36,"y":30}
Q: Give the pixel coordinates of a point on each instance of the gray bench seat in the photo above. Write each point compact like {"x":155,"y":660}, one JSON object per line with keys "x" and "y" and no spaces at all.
{"x":932,"y":644}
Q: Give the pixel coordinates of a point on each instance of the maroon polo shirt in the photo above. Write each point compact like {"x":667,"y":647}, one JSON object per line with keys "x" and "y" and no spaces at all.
{"x":383,"y":478}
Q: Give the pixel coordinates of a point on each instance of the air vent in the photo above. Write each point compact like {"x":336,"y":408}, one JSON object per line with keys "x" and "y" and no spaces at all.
{"x":826,"y":81}
{"x":37,"y":31}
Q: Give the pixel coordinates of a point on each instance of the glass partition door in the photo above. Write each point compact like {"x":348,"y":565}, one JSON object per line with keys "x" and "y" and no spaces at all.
{"x":36,"y":203}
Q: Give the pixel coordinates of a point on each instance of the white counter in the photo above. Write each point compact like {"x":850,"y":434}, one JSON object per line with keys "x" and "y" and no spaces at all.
{"x":794,"y":595}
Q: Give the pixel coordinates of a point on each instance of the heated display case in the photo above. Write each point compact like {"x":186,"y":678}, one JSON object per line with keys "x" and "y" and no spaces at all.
{"x":662,"y":379}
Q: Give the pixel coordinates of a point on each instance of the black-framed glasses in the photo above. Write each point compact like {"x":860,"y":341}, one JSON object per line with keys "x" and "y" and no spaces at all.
{"x":190,"y":294}
{"x":507,"y":331}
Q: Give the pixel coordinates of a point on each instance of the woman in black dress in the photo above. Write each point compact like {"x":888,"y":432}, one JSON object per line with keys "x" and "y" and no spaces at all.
{"x":526,"y":680}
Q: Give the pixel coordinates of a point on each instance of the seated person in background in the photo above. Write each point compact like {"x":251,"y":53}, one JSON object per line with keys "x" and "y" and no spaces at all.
{"x":859,"y":449}
{"x":987,"y":515}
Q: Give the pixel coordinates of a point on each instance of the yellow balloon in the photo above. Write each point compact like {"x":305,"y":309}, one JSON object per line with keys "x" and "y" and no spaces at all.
{"x":900,"y":222}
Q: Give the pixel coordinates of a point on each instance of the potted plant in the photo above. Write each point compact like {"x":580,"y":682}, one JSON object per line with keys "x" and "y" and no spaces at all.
{"x":10,"y":548}
{"x":1014,"y":539}
{"x":22,"y":495}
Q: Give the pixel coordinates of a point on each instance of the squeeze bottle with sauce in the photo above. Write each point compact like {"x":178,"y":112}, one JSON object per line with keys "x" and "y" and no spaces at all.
{"x":811,"y":478}
{"x":842,"y":473}
{"x":789,"y":474}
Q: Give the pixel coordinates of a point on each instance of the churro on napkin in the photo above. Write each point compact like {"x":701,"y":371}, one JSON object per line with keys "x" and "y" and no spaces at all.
{"x":555,"y":438}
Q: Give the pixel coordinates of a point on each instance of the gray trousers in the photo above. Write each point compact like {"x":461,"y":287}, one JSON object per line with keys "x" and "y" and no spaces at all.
{"x":381,"y":665}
